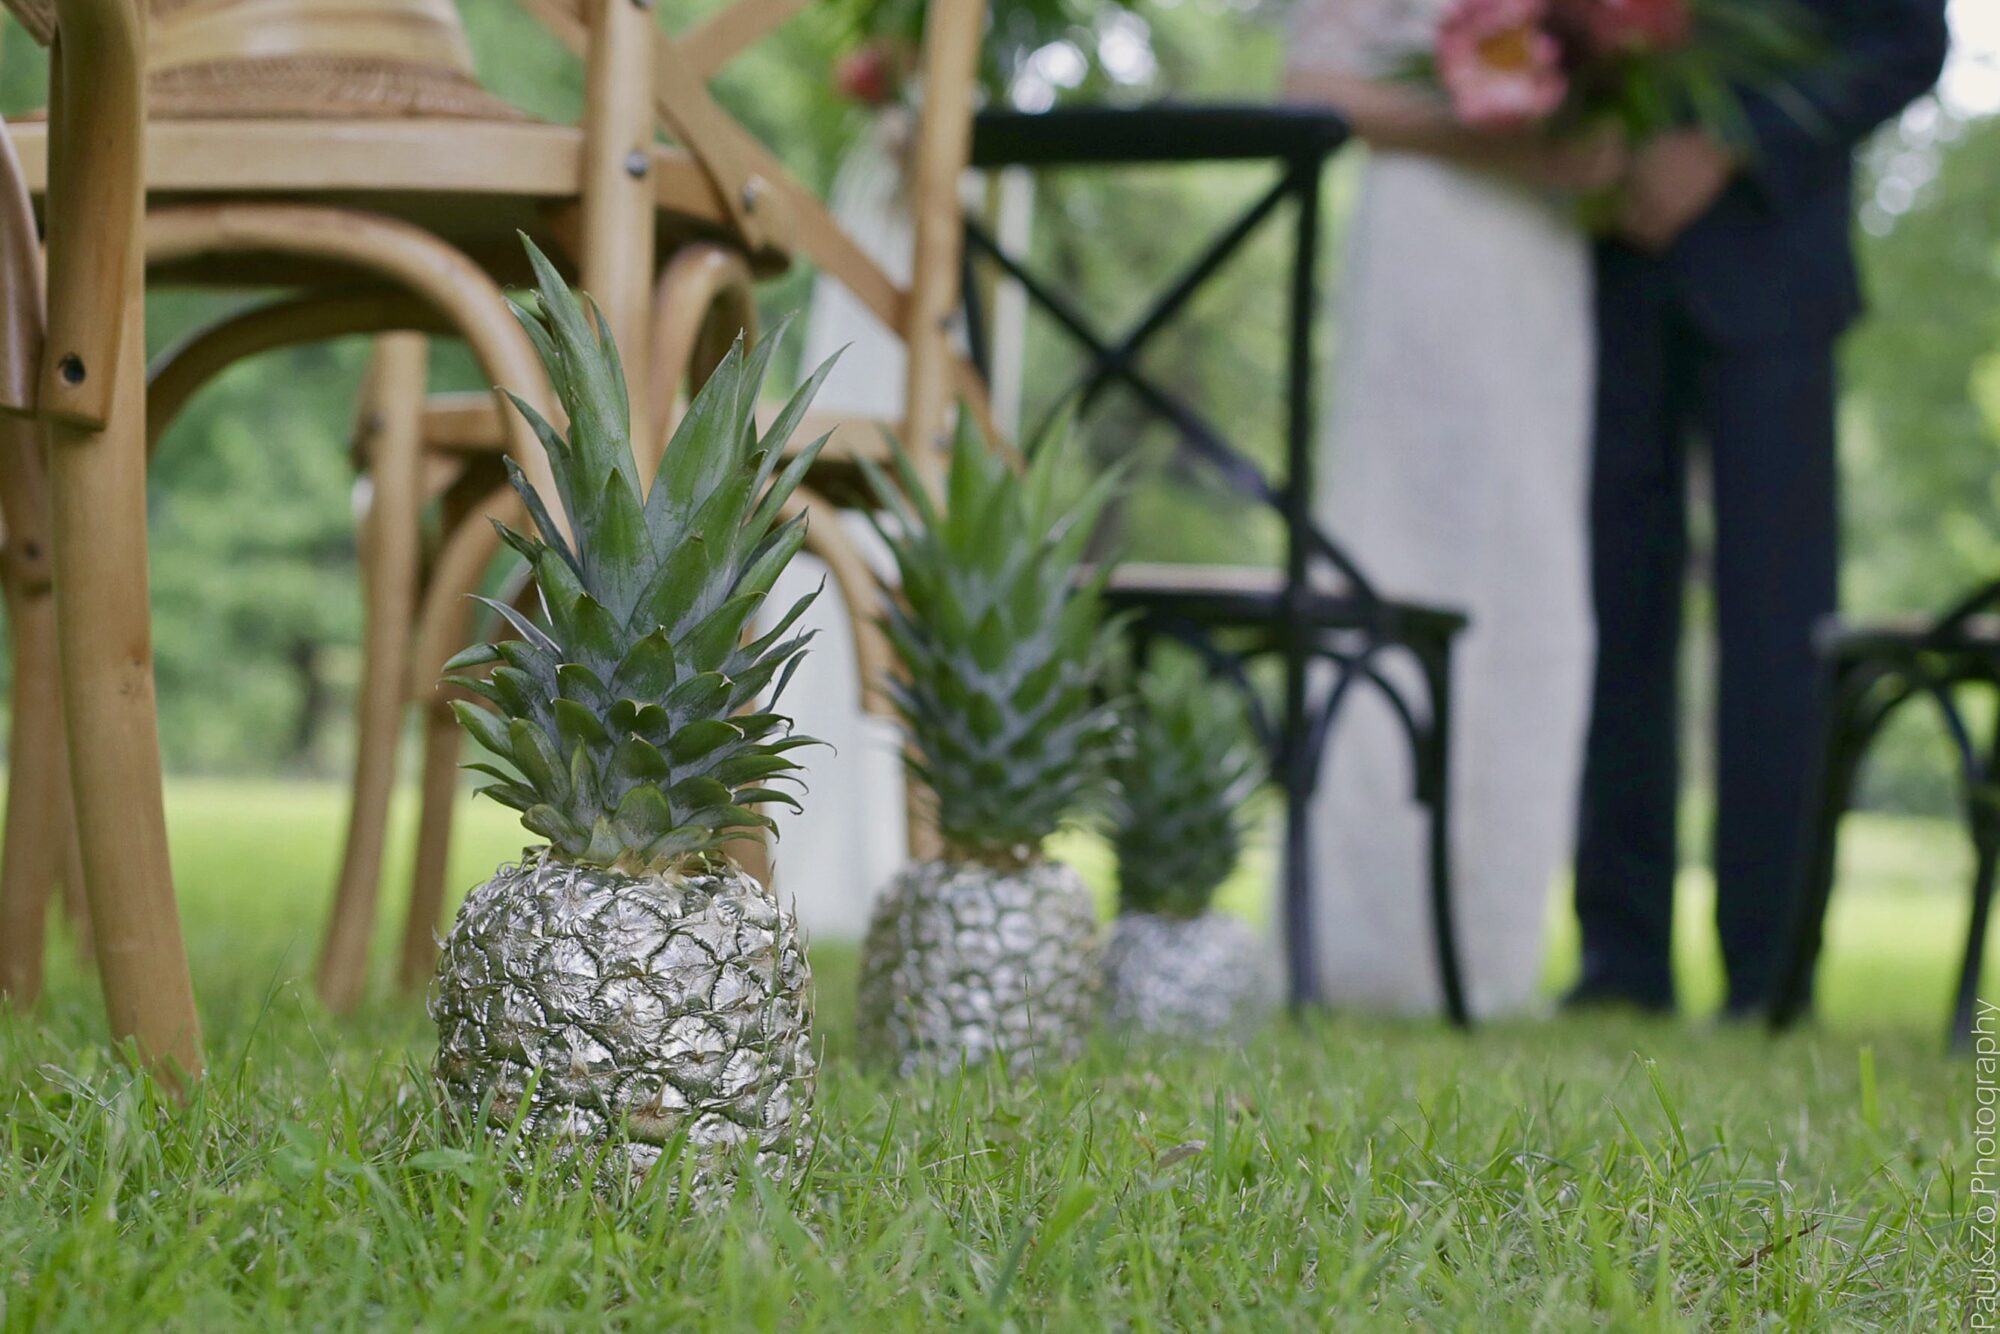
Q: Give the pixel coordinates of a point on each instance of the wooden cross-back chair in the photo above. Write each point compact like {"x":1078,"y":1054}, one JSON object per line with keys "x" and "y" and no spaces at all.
{"x":688,"y":334}
{"x":84,"y":384}
{"x":702,"y":297}
{"x":365,"y":169}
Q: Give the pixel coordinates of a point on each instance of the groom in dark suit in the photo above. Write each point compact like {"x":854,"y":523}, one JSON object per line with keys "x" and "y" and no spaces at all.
{"x":1718,"y":306}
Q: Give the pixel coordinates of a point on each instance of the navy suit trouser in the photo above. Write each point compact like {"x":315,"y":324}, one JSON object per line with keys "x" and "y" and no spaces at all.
{"x":1765,"y":413}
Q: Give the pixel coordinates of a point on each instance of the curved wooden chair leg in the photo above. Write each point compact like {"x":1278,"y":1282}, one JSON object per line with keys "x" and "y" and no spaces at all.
{"x":47,"y":811}
{"x":427,"y":881}
{"x":392,"y":412}
{"x":92,"y":392}
{"x":438,"y":785}
{"x":39,"y":823}
{"x":41,"y":850}
{"x":181,"y":371}
{"x":755,"y":855}
{"x":37,"y":796}
{"x":101,"y":597}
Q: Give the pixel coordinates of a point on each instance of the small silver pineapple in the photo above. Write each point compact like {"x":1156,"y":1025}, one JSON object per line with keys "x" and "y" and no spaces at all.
{"x":629,"y":985}
{"x":642,"y":1007}
{"x":968,"y":961}
{"x":1175,"y":966}
{"x":1000,"y":647}
{"x":1195,"y":977}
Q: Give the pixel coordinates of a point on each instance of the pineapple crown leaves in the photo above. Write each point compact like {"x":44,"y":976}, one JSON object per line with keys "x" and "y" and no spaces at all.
{"x":637,"y":720}
{"x":1179,"y":787}
{"x":1001,"y":642}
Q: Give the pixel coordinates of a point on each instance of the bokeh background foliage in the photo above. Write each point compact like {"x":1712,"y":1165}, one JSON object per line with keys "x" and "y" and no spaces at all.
{"x":255,"y":586}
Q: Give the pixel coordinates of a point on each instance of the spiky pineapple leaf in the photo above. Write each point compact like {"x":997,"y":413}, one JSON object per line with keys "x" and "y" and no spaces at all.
{"x":612,"y":711}
{"x":477,"y":655}
{"x":486,"y":728}
{"x":1180,"y":784}
{"x":1000,"y":642}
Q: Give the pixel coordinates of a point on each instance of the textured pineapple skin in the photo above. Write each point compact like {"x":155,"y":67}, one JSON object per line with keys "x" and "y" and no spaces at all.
{"x":963,"y":961}
{"x":1202,"y":977}
{"x":651,"y":1005}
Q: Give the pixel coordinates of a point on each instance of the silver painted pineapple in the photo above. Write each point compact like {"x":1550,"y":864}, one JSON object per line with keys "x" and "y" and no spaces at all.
{"x":628,"y":986}
{"x":990,"y":949}
{"x":1174,"y":965}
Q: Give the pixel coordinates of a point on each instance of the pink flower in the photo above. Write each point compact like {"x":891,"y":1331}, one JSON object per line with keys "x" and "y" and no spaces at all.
{"x":1612,"y":26}
{"x":1499,"y":64}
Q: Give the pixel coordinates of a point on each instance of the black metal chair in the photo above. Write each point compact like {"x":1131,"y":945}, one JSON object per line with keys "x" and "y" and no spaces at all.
{"x":1869,"y":673}
{"x":1236,"y":617}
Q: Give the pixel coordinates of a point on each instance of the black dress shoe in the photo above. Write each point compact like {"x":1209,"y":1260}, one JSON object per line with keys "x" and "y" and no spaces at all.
{"x":1596,"y":993}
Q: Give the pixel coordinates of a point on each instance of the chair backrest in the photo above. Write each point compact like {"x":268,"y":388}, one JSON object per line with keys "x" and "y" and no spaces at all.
{"x":773,"y":206}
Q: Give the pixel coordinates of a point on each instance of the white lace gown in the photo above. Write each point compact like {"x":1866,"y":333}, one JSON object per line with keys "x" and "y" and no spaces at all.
{"x":1453,"y":465}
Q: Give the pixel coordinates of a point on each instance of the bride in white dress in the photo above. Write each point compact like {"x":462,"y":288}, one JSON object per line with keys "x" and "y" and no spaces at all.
{"x":1453,"y":466}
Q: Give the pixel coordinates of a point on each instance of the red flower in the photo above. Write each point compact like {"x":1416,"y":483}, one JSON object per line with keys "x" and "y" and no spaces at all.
{"x":1499,"y":63}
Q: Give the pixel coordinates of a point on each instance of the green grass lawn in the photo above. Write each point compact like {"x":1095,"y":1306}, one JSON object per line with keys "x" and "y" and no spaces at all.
{"x":1340,"y":1173}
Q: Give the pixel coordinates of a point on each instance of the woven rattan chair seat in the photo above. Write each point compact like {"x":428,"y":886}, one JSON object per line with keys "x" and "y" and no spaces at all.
{"x":313,"y":86}
{"x":275,"y":59}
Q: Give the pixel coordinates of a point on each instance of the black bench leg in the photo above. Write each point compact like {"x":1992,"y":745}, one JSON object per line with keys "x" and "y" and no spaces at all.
{"x":1301,"y":967}
{"x":1297,"y":768}
{"x":1434,"y":789}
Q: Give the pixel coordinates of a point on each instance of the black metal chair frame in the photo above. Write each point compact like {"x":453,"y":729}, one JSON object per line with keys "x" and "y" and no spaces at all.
{"x":1295,"y":621}
{"x":1869,"y":674}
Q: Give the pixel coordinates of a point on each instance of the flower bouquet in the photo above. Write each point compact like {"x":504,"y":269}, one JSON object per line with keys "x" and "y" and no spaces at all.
{"x":1639,"y":67}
